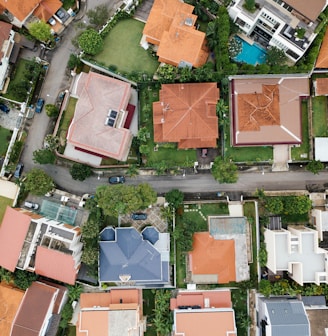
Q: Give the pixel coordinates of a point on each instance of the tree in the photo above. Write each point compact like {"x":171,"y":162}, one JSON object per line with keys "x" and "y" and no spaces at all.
{"x":132,"y":170}
{"x":296,"y":204}
{"x":250,"y":5}
{"x":274,"y":205}
{"x":222,"y":110}
{"x":175,"y":198}
{"x":52,"y":111}
{"x":90,"y":229}
{"x":74,"y":292}
{"x":144,"y":149}
{"x":44,"y":156}
{"x":73,"y":61}
{"x":143,"y":134}
{"x":91,"y":42}
{"x":147,"y":194}
{"x":263,"y":255}
{"x":24,"y":279}
{"x":51,"y":142}
{"x":89,"y":255}
{"x":41,"y":31}
{"x":265,"y":287}
{"x":275,"y":57}
{"x":224,"y":171}
{"x":314,"y":166}
{"x":38,"y":182}
{"x":80,"y":171}
{"x":99,"y":15}
{"x":5,"y":275}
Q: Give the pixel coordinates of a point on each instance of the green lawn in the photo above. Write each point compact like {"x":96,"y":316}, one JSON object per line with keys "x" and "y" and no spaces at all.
{"x":4,"y":201}
{"x":319,"y":107}
{"x":297,"y":152}
{"x":5,"y":136}
{"x":246,"y":154}
{"x":18,"y":77}
{"x":122,"y":49}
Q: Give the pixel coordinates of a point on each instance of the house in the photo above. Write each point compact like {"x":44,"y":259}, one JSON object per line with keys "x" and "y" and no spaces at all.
{"x":267,"y":109}
{"x":39,"y":311}
{"x":207,"y":312}
{"x":21,"y":13}
{"x":222,"y":254}
{"x":319,"y":218}
{"x":297,"y":251}
{"x":128,"y":257}
{"x":186,"y":114}
{"x":281,"y":316}
{"x":289,"y":25}
{"x":170,"y":27}
{"x":317,"y":313}
{"x":322,"y":60}
{"x":118,"y":312}
{"x":320,"y":86}
{"x":37,"y":244}
{"x":7,"y":43}
{"x":102,"y":117}
{"x":10,"y":299}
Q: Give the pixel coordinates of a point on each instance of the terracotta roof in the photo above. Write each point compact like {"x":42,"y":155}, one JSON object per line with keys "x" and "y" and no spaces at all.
{"x":97,"y":95}
{"x":10,"y":299}
{"x":321,"y":86}
{"x":55,"y":265}
{"x":186,"y":114}
{"x":267,"y":110}
{"x":20,"y":9}
{"x":5,"y":29}
{"x":209,"y":323}
{"x":171,"y":25}
{"x":211,"y":256}
{"x":14,"y":225}
{"x":121,"y":304}
{"x":34,"y":310}
{"x":215,"y":299}
{"x":311,"y":12}
{"x":161,"y":16}
{"x":322,"y":60}
{"x":62,"y":290}
{"x":47,"y":9}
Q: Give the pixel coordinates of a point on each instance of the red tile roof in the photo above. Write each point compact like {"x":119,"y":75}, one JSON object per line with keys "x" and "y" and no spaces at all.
{"x":55,"y":265}
{"x":47,"y":8}
{"x":5,"y":29}
{"x":34,"y":310}
{"x":186,"y":114}
{"x":213,"y":257}
{"x":322,"y":60}
{"x":311,"y":12}
{"x":267,"y":110}
{"x":20,"y":9}
{"x":14,"y":225}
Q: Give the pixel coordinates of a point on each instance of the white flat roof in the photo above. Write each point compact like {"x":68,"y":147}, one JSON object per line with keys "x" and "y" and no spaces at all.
{"x":321,"y":149}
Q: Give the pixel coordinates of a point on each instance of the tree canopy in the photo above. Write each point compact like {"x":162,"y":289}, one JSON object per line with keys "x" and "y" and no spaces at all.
{"x":80,"y":171}
{"x":315,"y":166}
{"x":38,"y":182}
{"x":52,"y":111}
{"x":224,"y":171}
{"x":175,"y":198}
{"x":44,"y":156}
{"x":41,"y":31}
{"x":275,"y":57}
{"x":91,"y":42}
{"x":122,"y":199}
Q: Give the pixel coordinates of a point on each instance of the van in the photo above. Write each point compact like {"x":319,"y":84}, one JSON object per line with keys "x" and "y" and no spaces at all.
{"x":31,"y":205}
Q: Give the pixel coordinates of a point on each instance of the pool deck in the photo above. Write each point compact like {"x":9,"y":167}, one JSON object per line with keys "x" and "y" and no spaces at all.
{"x":245,"y":38}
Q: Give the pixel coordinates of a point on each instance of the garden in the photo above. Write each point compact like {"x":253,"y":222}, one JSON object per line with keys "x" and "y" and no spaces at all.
{"x":5,"y":136}
{"x":4,"y":202}
{"x":129,"y":56}
{"x":320,"y":116}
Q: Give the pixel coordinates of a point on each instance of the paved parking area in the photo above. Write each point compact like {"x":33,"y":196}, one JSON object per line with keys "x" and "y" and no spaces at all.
{"x":153,"y":217}
{"x":10,"y":120}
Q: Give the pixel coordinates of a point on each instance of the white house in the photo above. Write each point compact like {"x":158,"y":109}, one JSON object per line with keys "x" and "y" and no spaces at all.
{"x":288,"y":25}
{"x":297,"y":251}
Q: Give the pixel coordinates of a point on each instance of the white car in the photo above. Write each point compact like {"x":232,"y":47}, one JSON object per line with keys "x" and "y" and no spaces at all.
{"x":31,"y":205}
{"x":83,"y":200}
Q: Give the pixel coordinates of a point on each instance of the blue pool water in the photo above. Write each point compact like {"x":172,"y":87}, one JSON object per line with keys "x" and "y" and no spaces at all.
{"x":251,"y":54}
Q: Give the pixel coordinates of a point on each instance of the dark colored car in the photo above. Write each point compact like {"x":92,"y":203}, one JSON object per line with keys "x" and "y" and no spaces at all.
{"x":39,"y":105}
{"x":19,"y":170}
{"x":116,"y":179}
{"x":60,"y":13}
{"x":139,"y":216}
{"x":4,"y":108}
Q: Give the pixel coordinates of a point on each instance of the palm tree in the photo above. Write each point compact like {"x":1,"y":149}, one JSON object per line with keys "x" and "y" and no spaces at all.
{"x":222,"y":111}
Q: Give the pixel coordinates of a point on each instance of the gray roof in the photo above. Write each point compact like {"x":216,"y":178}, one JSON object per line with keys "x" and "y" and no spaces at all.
{"x":288,"y":318}
{"x":130,"y":255}
{"x":150,"y":233}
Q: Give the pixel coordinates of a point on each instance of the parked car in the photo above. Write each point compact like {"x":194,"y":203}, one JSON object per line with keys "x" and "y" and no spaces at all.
{"x":4,"y":108}
{"x":139,"y":216}
{"x":39,"y":105}
{"x":84,"y":198}
{"x":19,"y":170}
{"x":31,"y":205}
{"x":52,"y":21}
{"x":60,"y":13}
{"x":116,"y":179}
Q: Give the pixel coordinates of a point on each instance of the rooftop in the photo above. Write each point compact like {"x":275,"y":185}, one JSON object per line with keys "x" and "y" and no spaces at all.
{"x":321,"y":86}
{"x":186,"y":114}
{"x":311,"y":12}
{"x":20,"y":9}
{"x":322,"y":60}
{"x":100,"y":114}
{"x":47,"y":8}
{"x":266,"y":110}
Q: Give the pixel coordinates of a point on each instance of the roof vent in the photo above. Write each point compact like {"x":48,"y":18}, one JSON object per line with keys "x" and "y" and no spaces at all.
{"x":188,"y":21}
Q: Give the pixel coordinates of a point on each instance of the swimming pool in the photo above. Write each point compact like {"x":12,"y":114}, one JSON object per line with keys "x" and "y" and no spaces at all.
{"x":251,"y":54}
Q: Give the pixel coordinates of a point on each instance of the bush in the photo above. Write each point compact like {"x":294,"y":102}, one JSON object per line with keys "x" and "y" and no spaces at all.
{"x":80,"y":171}
{"x":91,"y":42}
